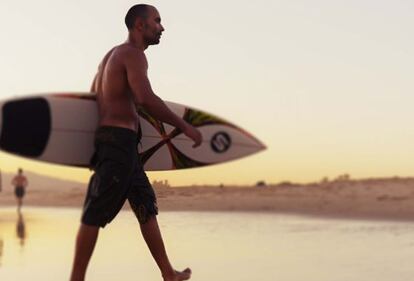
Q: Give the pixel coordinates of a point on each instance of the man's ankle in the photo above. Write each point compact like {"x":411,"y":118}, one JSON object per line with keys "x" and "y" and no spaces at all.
{"x":169,"y":273}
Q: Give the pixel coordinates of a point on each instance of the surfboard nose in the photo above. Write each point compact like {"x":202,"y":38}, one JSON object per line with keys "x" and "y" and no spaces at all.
{"x":25,"y":126}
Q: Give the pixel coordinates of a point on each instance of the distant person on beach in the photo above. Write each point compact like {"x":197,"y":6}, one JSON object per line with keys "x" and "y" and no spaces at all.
{"x":20,"y":183}
{"x":121,"y":85}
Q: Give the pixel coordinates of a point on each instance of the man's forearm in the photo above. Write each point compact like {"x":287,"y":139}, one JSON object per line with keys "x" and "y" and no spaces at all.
{"x":159,"y":110}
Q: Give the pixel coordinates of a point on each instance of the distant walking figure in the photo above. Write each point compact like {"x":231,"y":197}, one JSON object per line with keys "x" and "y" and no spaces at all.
{"x":20,"y":183}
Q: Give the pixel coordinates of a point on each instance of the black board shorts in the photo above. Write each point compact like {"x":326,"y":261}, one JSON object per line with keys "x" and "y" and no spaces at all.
{"x":19,"y":191}
{"x":118,"y":176}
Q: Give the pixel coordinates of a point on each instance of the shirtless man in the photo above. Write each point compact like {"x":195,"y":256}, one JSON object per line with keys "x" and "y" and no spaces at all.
{"x":122,"y":85}
{"x":19,"y":182}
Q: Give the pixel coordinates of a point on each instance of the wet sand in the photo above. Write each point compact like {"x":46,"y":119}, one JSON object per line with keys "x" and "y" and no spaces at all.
{"x":391,"y":198}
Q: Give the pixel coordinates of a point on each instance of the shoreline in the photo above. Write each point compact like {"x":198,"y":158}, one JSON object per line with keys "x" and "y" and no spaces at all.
{"x":374,"y":199}
{"x":333,"y":216}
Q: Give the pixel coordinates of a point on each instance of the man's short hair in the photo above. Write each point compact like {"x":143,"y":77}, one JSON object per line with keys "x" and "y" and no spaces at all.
{"x":136,"y":11}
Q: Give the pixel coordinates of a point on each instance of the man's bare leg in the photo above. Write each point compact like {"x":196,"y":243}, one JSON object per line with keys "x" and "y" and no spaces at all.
{"x":19,"y":204}
{"x":85,"y":243}
{"x":152,"y":235}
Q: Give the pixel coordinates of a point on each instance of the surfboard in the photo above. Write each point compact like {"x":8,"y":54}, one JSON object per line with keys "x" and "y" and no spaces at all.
{"x":59,"y":128}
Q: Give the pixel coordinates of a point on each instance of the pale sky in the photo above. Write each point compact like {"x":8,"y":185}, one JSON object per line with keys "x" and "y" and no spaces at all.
{"x":325,"y":84}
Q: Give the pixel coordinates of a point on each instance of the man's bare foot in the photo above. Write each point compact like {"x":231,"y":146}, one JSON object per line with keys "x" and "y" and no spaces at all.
{"x":179,"y":275}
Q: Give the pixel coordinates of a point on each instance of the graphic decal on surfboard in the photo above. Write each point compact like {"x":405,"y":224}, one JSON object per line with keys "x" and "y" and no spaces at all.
{"x":220,"y":142}
{"x":66,"y":132}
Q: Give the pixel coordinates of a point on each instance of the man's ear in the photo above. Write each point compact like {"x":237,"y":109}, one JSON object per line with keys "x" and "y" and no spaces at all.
{"x":139,"y":24}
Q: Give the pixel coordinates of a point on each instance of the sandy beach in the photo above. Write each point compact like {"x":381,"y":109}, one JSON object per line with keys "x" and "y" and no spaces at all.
{"x":391,"y":198}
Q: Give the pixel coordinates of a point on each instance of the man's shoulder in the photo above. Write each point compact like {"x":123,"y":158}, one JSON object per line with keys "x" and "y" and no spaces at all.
{"x":128,"y":51}
{"x":129,"y":57}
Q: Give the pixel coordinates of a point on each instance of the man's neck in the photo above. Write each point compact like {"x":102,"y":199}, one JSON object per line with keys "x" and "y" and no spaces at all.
{"x":136,"y":42}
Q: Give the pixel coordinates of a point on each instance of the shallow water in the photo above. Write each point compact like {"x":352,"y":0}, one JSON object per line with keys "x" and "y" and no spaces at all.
{"x":217,"y":246}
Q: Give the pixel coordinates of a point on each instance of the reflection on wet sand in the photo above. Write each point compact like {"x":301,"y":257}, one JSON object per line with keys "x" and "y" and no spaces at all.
{"x":1,"y":250}
{"x":241,"y":246}
{"x":21,"y":229}
{"x":6,"y":228}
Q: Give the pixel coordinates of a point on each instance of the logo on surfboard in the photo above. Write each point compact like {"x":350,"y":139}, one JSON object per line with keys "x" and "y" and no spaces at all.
{"x":220,"y":142}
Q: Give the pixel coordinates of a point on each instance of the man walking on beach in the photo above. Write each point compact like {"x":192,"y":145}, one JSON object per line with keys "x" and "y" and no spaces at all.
{"x":121,"y":85}
{"x":20,"y":183}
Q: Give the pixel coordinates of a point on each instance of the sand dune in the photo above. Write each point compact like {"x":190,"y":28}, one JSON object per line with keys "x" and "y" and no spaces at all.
{"x":391,"y":198}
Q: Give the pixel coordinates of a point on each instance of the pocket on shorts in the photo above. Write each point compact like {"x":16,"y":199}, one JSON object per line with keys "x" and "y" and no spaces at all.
{"x":108,"y":174}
